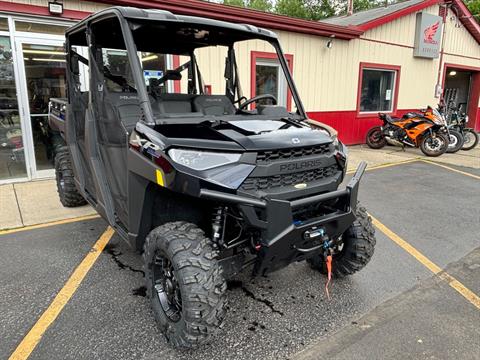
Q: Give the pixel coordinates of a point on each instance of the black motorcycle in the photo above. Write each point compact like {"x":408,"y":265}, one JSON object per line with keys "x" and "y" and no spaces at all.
{"x":458,"y":120}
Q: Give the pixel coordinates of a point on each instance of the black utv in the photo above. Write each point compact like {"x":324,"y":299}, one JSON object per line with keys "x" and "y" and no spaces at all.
{"x":205,"y":185}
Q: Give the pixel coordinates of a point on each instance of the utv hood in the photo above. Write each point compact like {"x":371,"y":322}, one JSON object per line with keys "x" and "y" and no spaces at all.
{"x":251,"y":135}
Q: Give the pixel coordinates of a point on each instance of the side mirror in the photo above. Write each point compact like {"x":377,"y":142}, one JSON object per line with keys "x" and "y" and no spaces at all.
{"x":173,"y":75}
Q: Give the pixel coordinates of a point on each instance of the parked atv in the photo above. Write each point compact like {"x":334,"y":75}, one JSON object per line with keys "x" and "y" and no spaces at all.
{"x":426,"y":130}
{"x":205,"y":185}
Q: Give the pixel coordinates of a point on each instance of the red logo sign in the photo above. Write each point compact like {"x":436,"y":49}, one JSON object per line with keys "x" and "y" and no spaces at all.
{"x":430,"y":32}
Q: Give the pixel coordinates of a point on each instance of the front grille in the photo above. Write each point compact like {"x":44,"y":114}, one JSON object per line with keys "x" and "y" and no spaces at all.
{"x":261,"y":183}
{"x":286,"y":154}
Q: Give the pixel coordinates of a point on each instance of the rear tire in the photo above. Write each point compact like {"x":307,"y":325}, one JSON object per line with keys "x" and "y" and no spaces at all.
{"x":66,"y":188}
{"x":456,"y":141}
{"x":433,"y":147}
{"x":357,"y":250}
{"x":375,"y":138}
{"x":470,"y":139}
{"x":185,"y":283}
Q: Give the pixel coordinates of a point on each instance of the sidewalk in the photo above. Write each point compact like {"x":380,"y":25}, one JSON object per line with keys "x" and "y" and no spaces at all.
{"x":36,"y":202}
{"x":32,"y":203}
{"x":393,"y":154}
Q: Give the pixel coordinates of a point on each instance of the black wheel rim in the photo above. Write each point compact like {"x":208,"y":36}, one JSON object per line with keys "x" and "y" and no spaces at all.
{"x":375,"y":137}
{"x":166,"y":288}
{"x":434,"y":144}
{"x":469,"y":139}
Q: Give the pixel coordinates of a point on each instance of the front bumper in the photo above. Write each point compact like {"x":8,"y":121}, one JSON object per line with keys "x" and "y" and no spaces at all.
{"x":283,"y":240}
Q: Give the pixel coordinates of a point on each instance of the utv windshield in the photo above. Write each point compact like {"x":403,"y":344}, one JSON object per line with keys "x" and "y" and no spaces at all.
{"x":192,"y":71}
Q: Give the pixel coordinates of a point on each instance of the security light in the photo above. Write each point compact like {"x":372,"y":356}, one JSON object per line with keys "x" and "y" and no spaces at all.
{"x":452,"y":73}
{"x":55,"y":8}
{"x":330,"y":42}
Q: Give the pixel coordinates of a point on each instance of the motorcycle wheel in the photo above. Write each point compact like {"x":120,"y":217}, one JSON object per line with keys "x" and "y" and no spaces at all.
{"x":434,"y":146}
{"x":375,"y":138}
{"x":456,"y":141}
{"x":470,"y":138}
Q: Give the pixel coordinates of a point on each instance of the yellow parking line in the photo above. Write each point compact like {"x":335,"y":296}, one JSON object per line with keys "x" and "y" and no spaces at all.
{"x":47,"y":224}
{"x":30,"y":341}
{"x":451,"y":169}
{"x":454,"y":283}
{"x":462,"y":289}
{"x":386,"y":165}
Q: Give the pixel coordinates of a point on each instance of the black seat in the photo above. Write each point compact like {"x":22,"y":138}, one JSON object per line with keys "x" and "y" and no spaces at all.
{"x":395,"y":119}
{"x":411,"y":115}
{"x":126,"y":106}
{"x":388,"y":118}
{"x":214,"y":105}
{"x":117,"y":116}
{"x":174,"y":105}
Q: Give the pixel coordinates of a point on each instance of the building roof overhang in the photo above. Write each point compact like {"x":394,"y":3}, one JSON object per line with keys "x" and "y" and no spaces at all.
{"x":264,"y":19}
{"x":209,"y":10}
{"x":466,"y":18}
{"x":243,"y":15}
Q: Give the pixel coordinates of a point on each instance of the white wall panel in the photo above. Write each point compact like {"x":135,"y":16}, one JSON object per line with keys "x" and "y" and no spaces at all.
{"x":79,"y":5}
{"x":458,"y":40}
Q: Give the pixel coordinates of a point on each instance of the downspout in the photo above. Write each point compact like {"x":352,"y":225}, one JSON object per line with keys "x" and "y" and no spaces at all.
{"x":438,"y":87}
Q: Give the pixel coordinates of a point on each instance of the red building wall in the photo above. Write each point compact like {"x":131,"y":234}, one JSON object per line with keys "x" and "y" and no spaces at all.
{"x":351,"y":128}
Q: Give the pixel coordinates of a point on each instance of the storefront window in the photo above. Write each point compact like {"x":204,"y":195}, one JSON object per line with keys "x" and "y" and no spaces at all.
{"x":40,"y":28}
{"x":3,"y":24}
{"x":12,"y":156}
{"x":377,"y":90}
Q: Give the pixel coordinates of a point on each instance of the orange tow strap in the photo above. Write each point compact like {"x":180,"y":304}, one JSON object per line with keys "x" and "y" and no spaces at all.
{"x":329,"y":274}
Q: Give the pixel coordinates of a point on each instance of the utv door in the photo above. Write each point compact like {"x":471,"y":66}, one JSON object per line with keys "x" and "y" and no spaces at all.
{"x":78,"y":98}
{"x":113,"y":112}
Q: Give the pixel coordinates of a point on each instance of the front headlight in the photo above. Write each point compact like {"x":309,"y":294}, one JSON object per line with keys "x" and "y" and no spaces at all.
{"x":202,"y":160}
{"x":335,"y":140}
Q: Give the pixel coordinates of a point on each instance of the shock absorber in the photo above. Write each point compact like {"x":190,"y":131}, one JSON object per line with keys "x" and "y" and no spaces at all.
{"x":218,"y":224}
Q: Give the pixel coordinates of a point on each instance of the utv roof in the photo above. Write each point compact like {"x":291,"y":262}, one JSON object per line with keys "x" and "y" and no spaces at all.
{"x":131,"y":13}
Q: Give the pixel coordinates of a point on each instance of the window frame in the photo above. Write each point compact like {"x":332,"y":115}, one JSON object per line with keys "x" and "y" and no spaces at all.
{"x":396,"y":69}
{"x":263,"y":55}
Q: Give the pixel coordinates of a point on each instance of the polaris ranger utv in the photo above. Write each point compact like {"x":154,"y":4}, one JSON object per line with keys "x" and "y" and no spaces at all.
{"x":206,"y":186}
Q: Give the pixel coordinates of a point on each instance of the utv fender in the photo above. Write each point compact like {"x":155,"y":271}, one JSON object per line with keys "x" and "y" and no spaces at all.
{"x":140,"y":209}
{"x":153,"y":205}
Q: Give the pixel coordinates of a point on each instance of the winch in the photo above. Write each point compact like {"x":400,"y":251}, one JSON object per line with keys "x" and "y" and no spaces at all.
{"x":314,"y":233}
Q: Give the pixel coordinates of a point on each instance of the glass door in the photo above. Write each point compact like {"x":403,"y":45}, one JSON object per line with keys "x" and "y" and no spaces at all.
{"x":12,"y":150}
{"x":269,"y":79}
{"x":42,"y":76}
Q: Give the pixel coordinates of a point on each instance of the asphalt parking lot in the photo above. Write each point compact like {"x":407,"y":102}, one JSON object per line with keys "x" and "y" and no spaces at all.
{"x":395,"y":308}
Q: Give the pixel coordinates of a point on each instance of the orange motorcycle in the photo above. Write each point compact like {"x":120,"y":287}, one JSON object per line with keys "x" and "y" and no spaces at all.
{"x":426,"y":130}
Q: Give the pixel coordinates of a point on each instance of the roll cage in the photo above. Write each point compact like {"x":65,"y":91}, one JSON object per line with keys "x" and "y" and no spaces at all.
{"x":136,"y":25}
{"x":100,"y":121}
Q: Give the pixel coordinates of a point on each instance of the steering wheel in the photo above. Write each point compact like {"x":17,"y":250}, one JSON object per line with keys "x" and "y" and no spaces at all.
{"x":258,"y":98}
{"x":240,"y":99}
